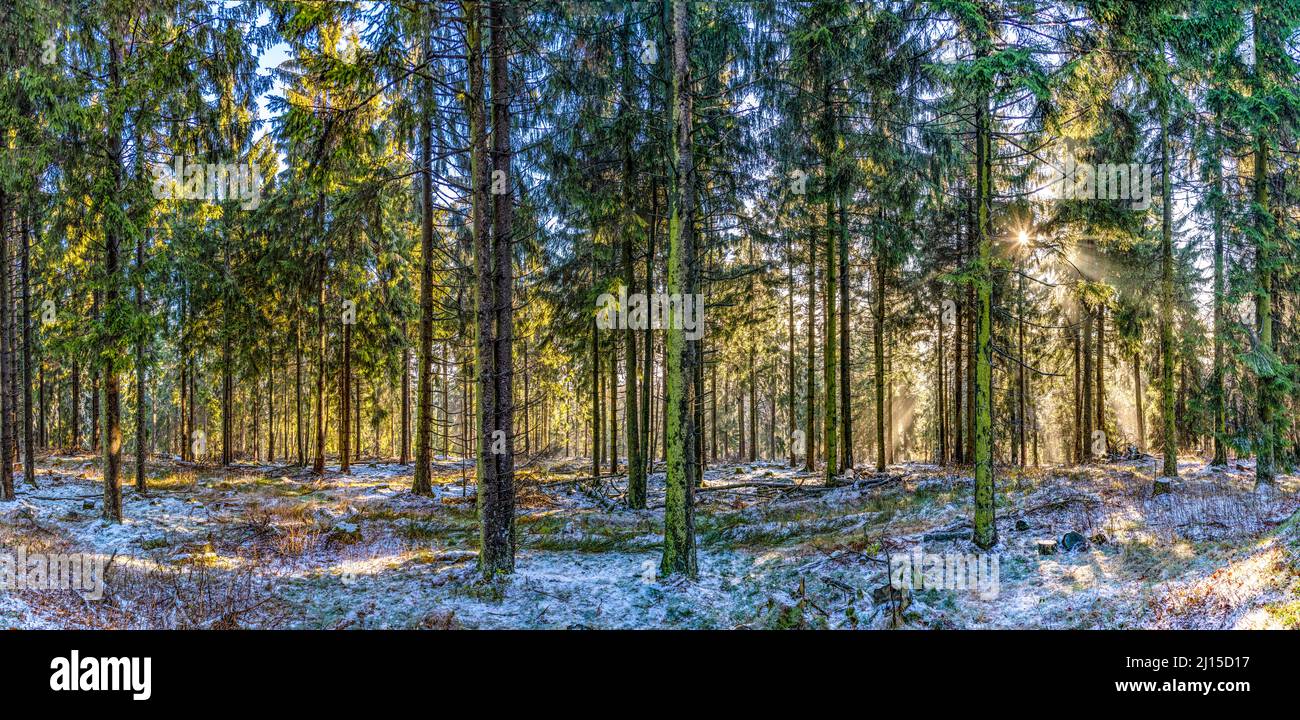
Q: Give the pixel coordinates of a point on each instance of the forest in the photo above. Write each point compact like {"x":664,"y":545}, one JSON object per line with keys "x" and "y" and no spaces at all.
{"x":650,"y":314}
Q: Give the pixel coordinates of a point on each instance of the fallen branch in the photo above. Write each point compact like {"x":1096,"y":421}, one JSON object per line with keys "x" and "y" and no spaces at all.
{"x":580,"y":479}
{"x":761,"y":484}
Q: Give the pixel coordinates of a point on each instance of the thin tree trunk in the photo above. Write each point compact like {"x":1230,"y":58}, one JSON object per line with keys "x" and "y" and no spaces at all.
{"x":1022,"y":386}
{"x":6,"y":428}
{"x":1137,"y":399}
{"x":636,"y":478}
{"x":985,"y":528}
{"x":878,"y":337}
{"x":345,"y":402}
{"x":318,"y":464}
{"x":1218,"y":399}
{"x":1101,"y":373}
{"x":405,"y":452}
{"x":297,"y":394}
{"x":846,"y":390}
{"x":810,"y":386}
{"x":141,"y":448}
{"x":1087,"y":410}
{"x":791,"y":421}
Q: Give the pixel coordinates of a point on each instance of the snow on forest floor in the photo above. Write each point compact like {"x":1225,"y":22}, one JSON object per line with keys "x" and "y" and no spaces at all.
{"x":275,"y":547}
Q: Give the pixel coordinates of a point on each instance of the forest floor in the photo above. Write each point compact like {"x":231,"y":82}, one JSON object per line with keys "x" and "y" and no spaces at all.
{"x":269,"y":546}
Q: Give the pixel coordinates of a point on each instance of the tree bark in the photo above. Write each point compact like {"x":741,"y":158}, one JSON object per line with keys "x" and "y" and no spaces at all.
{"x":497,"y":504}
{"x":985,"y":533}
{"x":422,"y":483}
{"x":1170,"y":468}
{"x":679,"y":556}
{"x":112,"y":242}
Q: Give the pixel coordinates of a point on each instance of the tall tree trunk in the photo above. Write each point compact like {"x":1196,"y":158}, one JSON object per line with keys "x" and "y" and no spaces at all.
{"x":270,"y":405}
{"x":740,"y":425}
{"x":405,"y":451}
{"x":1088,"y":414}
{"x":1265,"y":470}
{"x":890,"y":447}
{"x":227,"y":400}
{"x":1217,"y":398}
{"x":192,"y":394}
{"x":94,"y":384}
{"x":647,"y":379}
{"x":985,"y":533}
{"x":1077,"y":450}
{"x":443,"y":383}
{"x":1022,"y":386}
{"x":830,"y":346}
{"x":597,"y":416}
{"x":42,"y":428}
{"x":1170,"y":468}
{"x":345,"y":402}
{"x":679,"y":555}
{"x":528,"y":403}
{"x":878,"y":337}
{"x":6,"y":429}
{"x":940,"y":402}
{"x":810,"y":391}
{"x":318,"y":464}
{"x":29,"y":462}
{"x":613,"y":406}
{"x":846,"y":390}
{"x":297,"y":394}
{"x":1101,"y":373}
{"x":713,"y":412}
{"x":1137,"y":400}
{"x":636,"y":478}
{"x":141,"y":406}
{"x":497,"y":496}
{"x":112,"y":243}
{"x":75,"y":398}
{"x":753,"y":410}
{"x":422,"y":483}
{"x":791,"y":421}
{"x":958,"y":390}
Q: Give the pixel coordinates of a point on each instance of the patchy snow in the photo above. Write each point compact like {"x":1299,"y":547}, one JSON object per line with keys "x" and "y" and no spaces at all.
{"x":274,"y":546}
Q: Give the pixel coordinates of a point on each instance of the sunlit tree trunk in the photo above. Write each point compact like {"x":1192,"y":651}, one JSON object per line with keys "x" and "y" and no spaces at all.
{"x":985,"y":534}
{"x":790,"y":392}
{"x":345,"y":402}
{"x":405,"y":451}
{"x":318,"y":465}
{"x":810,"y":387}
{"x":1023,"y":386}
{"x":878,"y":337}
{"x":112,"y":510}
{"x":141,"y":406}
{"x":1137,"y":401}
{"x":846,"y":311}
{"x":1101,"y":374}
{"x":679,"y":556}
{"x":422,"y":484}
{"x":7,"y":477}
